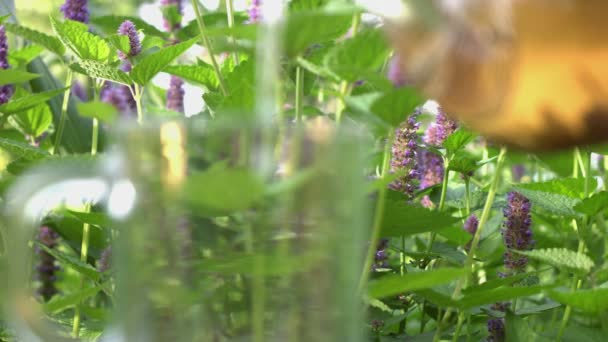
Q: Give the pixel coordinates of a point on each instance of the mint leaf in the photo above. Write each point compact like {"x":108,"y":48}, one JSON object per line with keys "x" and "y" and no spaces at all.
{"x":396,"y":284}
{"x":25,"y":55}
{"x":22,"y":150}
{"x":49,"y":42}
{"x":60,"y":303}
{"x":593,"y":205}
{"x":198,"y":74}
{"x":76,"y":37}
{"x":72,"y":261}
{"x":149,"y":66}
{"x":101,"y":71}
{"x":401,"y":218}
{"x":110,"y":23}
{"x":396,"y":105}
{"x":593,"y":300}
{"x":561,"y":258}
{"x":96,"y":109}
{"x":27,"y":102}
{"x":306,"y":28}
{"x":558,"y":196}
{"x":13,"y":76}
{"x":458,"y":140}
{"x":34,"y":121}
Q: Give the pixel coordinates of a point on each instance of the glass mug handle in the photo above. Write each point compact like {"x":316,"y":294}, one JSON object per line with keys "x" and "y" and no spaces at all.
{"x":36,"y":193}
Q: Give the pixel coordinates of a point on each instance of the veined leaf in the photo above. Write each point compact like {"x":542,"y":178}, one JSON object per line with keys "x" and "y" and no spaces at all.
{"x":396,"y":284}
{"x":12,"y":76}
{"x":96,"y":109}
{"x":558,"y":196}
{"x":479,"y":298}
{"x":457,"y":140}
{"x":27,"y":102}
{"x":593,"y":300}
{"x":49,"y":42}
{"x":401,"y":219}
{"x":60,"y":303}
{"x":152,"y":64}
{"x":593,"y":205}
{"x":309,"y":27}
{"x":561,"y":258}
{"x":35,"y":120}
{"x":22,"y":150}
{"x":396,"y":105}
{"x":76,"y":36}
{"x":25,"y":55}
{"x":101,"y":71}
{"x":72,"y":261}
{"x":199,"y":74}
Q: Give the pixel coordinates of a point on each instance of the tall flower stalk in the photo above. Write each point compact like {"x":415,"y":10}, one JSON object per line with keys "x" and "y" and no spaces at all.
{"x":404,"y":153}
{"x":76,"y":10}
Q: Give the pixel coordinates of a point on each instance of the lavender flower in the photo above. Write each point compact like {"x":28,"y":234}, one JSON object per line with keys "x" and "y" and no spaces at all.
{"x":255,"y":11}
{"x":169,"y":26}
{"x":127,"y":28}
{"x":6,"y":91}
{"x":517,"y":172}
{"x":404,"y":152}
{"x":79,"y":91}
{"x":104,"y":262}
{"x":47,"y":267}
{"x":381,"y":256}
{"x":430,"y":163}
{"x":175,"y":95}
{"x":395,"y":74}
{"x":470,"y":226}
{"x":516,"y":231}
{"x":120,"y":97}
{"x":496,"y":330}
{"x":76,"y":10}
{"x":438,"y":131}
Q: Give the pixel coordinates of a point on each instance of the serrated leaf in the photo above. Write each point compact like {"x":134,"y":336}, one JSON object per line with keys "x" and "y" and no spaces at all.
{"x":592,"y":300}
{"x":22,"y":150}
{"x":71,"y":261}
{"x":49,"y":42}
{"x":198,"y":74}
{"x":365,"y":52}
{"x":105,"y":112}
{"x":561,"y":258}
{"x":394,"y":106}
{"x":517,"y":329}
{"x":457,"y":140}
{"x":27,"y":102}
{"x":149,"y":66}
{"x":35,"y":120}
{"x":463,"y":163}
{"x":13,"y":76}
{"x":101,"y":71}
{"x":25,"y":55}
{"x":76,"y":36}
{"x":120,"y":42}
{"x":306,"y":28}
{"x":558,"y":196}
{"x":593,"y":205}
{"x":496,"y":283}
{"x":401,"y":218}
{"x":396,"y":284}
{"x":220,"y":189}
{"x":60,"y":303}
{"x":110,"y":23}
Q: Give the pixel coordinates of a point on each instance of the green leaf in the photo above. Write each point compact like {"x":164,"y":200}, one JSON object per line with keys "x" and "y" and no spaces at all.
{"x":25,"y":55}
{"x":396,"y":105}
{"x":72,"y":261}
{"x":34,"y":121}
{"x":457,"y":140}
{"x":110,"y":23}
{"x":364,"y":53}
{"x":396,"y":284}
{"x":172,"y":15}
{"x":12,"y":76}
{"x":105,"y":112}
{"x":517,"y":329}
{"x":463,"y":163}
{"x":561,"y":258}
{"x":101,"y":71}
{"x":76,"y":36}
{"x":593,"y":205}
{"x":27,"y":102}
{"x":198,"y":74}
{"x":592,"y":300}
{"x":95,"y":219}
{"x":4,"y":17}
{"x":496,"y":283}
{"x":120,"y":42}
{"x":49,"y":42}
{"x":306,"y":5}
{"x":501,"y":294}
{"x":558,"y":196}
{"x":306,"y":28}
{"x":60,"y":303}
{"x":456,"y":235}
{"x":22,"y":150}
{"x":154,"y":63}
{"x":401,"y":218}
{"x":220,"y":189}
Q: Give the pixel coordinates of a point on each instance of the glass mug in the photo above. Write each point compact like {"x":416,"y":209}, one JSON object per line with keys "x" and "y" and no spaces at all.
{"x":206,"y":245}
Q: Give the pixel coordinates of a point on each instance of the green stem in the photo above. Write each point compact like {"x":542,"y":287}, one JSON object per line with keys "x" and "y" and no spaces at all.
{"x":299,"y":92}
{"x":230,"y":16}
{"x":444,"y":191}
{"x":207,"y":45}
{"x":64,"y":111}
{"x":467,"y":196}
{"x":344,"y":89}
{"x":485,"y":215}
{"x":378,"y":215}
{"x":138,"y":97}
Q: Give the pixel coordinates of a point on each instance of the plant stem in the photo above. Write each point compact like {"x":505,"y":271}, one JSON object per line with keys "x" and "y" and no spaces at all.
{"x":344,"y":89}
{"x":485,"y":215}
{"x":207,"y":45}
{"x":138,"y":97}
{"x":378,"y":215}
{"x":299,"y":92}
{"x":230,"y":15}
{"x":467,"y":196}
{"x":64,"y":111}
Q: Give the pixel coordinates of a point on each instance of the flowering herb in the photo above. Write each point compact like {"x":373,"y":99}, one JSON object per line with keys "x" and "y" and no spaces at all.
{"x":76,"y":10}
{"x":6,"y":91}
{"x":404,"y":156}
{"x":516,"y":232}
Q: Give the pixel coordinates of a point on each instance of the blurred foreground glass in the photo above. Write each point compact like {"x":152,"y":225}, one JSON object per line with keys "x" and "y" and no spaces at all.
{"x":205,"y":248}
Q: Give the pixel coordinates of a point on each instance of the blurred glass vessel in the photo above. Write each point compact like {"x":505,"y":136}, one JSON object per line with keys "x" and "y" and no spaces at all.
{"x":205,"y":247}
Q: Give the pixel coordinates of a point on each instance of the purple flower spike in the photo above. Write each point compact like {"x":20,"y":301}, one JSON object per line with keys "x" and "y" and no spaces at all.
{"x":518,"y":171}
{"x":496,"y":330}
{"x":79,"y":91}
{"x":120,"y":97}
{"x":6,"y":91}
{"x":170,"y":27}
{"x":438,"y":131}
{"x":175,"y":95}
{"x":516,"y":232}
{"x":127,"y":28}
{"x":381,"y":256}
{"x":470,"y":226}
{"x":76,"y":10}
{"x":432,"y":169}
{"x":47,"y":268}
{"x":394,"y":74}
{"x":255,"y":11}
{"x":404,"y":156}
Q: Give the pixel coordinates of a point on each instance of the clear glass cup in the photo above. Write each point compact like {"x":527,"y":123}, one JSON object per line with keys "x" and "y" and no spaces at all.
{"x":207,"y":244}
